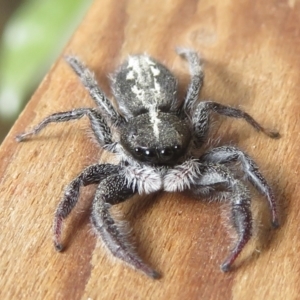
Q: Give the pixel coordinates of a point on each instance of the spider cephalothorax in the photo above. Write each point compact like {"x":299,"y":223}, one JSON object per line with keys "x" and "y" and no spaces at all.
{"x":156,"y":137}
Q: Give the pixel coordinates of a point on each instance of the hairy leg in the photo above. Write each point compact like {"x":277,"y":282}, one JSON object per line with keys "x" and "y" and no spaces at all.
{"x":197,"y":76}
{"x":88,"y":80}
{"x":238,"y":195}
{"x":208,"y":106}
{"x":99,"y":126}
{"x":195,"y":85}
{"x":113,"y":190}
{"x":91,"y":175}
{"x":229,"y":154}
{"x":216,"y":182}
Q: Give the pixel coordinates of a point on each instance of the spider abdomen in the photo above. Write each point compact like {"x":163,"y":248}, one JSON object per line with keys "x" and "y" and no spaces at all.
{"x":142,"y":84}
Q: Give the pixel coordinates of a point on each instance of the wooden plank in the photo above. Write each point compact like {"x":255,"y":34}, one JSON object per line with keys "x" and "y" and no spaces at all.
{"x":251,"y":53}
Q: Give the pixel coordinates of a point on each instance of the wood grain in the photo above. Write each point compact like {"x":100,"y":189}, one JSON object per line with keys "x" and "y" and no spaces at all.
{"x":251,"y":53}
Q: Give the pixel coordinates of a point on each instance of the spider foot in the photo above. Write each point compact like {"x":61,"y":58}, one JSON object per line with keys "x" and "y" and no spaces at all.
{"x":275,"y":224}
{"x":154,"y":275}
{"x":225,"y":267}
{"x":23,"y":136}
{"x":272,"y":134}
{"x":146,"y":269}
{"x":58,"y":247}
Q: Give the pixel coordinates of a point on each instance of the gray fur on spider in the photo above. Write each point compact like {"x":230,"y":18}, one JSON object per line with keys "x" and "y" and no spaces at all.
{"x":156,"y":139}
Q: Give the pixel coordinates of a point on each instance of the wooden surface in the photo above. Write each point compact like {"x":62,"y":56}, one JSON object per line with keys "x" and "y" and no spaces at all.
{"x":252,"y":60}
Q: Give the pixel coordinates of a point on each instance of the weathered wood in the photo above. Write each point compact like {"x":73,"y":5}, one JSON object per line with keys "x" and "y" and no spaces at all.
{"x":251,"y":51}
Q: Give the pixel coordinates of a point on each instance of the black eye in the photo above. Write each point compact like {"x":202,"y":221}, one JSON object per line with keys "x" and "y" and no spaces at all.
{"x":177,"y":147}
{"x":138,"y":151}
{"x":166,"y":152}
{"x":149,"y":153}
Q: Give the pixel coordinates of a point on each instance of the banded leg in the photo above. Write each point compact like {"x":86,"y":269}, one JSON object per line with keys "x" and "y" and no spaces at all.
{"x":99,"y":126}
{"x":219,"y":176}
{"x":88,"y":80}
{"x":197,"y":76}
{"x":113,"y":190}
{"x":91,"y":175}
{"x":229,"y":154}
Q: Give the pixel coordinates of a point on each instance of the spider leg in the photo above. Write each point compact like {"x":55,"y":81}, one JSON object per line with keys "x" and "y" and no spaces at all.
{"x":216,"y":182}
{"x":88,"y":80}
{"x":204,"y":108}
{"x":197,"y":76}
{"x":194,"y":89}
{"x":242,"y":222}
{"x":113,"y":190}
{"x":99,"y":126}
{"x":241,"y":217}
{"x":91,"y":175}
{"x":229,"y":154}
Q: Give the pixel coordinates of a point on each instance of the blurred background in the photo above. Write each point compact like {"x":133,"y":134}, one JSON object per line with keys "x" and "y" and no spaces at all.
{"x":32,"y":35}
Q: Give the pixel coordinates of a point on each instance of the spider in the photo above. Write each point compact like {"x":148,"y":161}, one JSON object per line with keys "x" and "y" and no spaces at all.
{"x":157,"y":139}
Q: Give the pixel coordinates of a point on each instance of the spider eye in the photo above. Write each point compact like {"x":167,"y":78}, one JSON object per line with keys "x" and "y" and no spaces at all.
{"x":177,"y":148}
{"x":144,"y":153}
{"x":138,"y":151}
{"x":149,"y":153}
{"x":167,"y":152}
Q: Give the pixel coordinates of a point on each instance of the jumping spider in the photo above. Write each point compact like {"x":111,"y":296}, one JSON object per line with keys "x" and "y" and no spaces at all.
{"x":156,"y":138}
